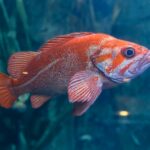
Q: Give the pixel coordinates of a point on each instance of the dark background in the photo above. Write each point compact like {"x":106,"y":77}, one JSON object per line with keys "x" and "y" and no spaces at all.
{"x":26,"y":25}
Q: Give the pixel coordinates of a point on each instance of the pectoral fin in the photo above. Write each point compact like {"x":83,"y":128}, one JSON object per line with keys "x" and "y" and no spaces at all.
{"x":80,"y":108}
{"x":84,"y":88}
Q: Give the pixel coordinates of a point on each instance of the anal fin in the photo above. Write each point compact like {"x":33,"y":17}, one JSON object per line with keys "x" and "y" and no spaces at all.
{"x":38,"y":100}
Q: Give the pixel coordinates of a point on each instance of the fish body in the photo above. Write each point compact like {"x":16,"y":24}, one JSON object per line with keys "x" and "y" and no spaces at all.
{"x":80,"y":64}
{"x":52,"y":68}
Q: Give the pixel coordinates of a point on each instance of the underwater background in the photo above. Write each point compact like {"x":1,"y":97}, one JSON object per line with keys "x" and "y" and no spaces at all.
{"x":119,"y":119}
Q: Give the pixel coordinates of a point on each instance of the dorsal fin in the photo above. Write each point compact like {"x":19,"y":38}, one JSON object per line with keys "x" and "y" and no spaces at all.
{"x":62,"y":39}
{"x":19,"y":61}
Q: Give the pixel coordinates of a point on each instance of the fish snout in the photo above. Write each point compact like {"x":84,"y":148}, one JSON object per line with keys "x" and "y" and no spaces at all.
{"x":145,"y":62}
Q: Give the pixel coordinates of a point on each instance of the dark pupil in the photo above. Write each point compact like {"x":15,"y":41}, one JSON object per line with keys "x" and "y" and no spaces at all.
{"x":129,"y":53}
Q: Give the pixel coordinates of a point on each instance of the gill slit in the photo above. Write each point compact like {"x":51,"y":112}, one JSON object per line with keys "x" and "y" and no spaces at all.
{"x":94,"y":64}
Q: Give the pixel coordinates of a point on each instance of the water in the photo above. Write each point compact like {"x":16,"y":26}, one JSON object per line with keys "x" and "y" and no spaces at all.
{"x":120,"y":118}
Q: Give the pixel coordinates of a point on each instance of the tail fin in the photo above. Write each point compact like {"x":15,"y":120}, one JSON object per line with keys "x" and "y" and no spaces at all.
{"x":7,"y":98}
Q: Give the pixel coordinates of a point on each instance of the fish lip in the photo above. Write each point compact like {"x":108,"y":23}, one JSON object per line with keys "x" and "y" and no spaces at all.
{"x":142,"y":65}
{"x":132,"y":72}
{"x":145,"y":61}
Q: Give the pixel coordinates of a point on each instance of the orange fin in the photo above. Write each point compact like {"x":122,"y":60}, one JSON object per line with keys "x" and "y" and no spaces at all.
{"x":62,"y":39}
{"x":80,"y":108}
{"x":7,"y":98}
{"x":84,"y":87}
{"x":18,"y":62}
{"x":4,"y":80}
{"x":38,"y":100}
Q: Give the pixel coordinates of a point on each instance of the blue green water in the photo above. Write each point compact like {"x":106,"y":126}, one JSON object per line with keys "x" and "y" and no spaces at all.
{"x":119,"y":119}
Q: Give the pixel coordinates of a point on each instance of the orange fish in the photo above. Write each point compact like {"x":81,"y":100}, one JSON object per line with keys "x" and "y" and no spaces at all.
{"x":80,"y":64}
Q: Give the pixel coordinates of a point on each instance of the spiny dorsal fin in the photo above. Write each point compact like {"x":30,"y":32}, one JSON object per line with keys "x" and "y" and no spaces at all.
{"x":18,"y":62}
{"x":62,"y":39}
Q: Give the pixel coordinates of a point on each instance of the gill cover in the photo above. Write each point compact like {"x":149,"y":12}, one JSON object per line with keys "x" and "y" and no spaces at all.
{"x":119,"y":60}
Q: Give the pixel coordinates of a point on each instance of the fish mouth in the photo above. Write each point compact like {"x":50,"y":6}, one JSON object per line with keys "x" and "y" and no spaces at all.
{"x":141,"y":65}
{"x":145,"y":62}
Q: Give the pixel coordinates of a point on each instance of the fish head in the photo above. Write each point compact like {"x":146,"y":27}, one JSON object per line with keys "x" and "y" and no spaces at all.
{"x":121,"y":61}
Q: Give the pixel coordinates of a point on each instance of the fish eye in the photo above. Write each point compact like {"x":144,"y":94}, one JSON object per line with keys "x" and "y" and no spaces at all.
{"x":128,"y":52}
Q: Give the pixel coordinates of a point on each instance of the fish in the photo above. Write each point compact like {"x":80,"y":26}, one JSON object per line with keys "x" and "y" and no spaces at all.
{"x":80,"y":64}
